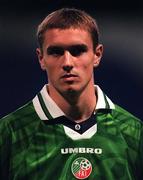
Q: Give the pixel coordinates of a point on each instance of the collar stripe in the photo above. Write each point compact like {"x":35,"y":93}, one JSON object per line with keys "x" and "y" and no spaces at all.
{"x":107,"y":106}
{"x":47,"y":109}
{"x":47,"y":113}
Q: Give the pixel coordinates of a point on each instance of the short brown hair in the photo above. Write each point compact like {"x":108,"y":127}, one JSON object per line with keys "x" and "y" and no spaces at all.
{"x":66,"y":18}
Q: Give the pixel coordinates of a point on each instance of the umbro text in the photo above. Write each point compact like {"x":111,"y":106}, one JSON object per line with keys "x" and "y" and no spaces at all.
{"x":81,"y":150}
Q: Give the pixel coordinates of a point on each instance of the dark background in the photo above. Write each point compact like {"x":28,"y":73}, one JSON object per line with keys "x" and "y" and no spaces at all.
{"x":120,"y":74}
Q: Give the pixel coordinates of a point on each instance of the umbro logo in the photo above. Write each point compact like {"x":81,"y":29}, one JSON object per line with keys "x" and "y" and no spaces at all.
{"x":81,"y":150}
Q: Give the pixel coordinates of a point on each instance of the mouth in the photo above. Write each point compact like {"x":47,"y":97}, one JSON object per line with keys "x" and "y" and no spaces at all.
{"x":68,"y":75}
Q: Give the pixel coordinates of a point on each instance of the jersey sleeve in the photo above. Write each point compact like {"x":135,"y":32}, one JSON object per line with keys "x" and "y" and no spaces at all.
{"x":140,"y":157}
{"x":5,"y":146}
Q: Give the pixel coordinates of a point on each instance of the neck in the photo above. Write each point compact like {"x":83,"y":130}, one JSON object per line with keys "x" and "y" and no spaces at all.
{"x":78,"y":107}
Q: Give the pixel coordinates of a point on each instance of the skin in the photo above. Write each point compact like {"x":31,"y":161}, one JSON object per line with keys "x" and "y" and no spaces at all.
{"x":70,"y":74}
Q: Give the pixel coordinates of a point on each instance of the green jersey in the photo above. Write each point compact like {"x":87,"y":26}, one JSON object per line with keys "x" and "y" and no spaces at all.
{"x":39,"y":142}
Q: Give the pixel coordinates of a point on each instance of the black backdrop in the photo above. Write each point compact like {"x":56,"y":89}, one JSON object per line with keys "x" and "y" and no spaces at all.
{"x":120,"y":74}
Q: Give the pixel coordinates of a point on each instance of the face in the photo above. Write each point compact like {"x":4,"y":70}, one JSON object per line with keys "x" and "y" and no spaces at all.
{"x":69,"y":58}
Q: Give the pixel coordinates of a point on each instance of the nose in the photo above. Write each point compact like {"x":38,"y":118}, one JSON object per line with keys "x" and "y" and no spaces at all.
{"x":68,"y":62}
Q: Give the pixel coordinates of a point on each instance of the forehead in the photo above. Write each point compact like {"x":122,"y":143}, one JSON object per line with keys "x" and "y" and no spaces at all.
{"x":67,"y":37}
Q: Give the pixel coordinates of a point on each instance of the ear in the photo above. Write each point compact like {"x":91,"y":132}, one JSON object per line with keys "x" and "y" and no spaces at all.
{"x":41,"y":58}
{"x":98,"y":54}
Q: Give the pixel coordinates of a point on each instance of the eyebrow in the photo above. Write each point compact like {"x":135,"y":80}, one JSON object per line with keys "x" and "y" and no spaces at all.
{"x":82,"y":46}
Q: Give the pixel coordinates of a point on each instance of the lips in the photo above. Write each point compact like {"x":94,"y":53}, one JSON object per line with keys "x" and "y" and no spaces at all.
{"x":68,"y":75}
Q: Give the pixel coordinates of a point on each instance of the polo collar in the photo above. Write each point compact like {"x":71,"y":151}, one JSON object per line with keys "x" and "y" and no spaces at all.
{"x":47,"y":109}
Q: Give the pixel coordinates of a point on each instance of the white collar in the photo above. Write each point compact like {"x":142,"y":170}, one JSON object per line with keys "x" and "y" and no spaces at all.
{"x":44,"y":104}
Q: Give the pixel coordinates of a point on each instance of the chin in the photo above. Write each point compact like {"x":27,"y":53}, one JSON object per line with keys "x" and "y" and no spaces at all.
{"x":71,"y":91}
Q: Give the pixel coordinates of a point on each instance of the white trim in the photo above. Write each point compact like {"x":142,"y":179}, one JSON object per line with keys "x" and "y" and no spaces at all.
{"x":76,"y":136}
{"x":111,"y":104}
{"x":55,"y":111}
{"x":52,"y":107}
{"x":101,"y":101}
{"x":38,"y":108}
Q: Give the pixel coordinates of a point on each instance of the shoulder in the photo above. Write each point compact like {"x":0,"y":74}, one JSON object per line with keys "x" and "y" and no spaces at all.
{"x":127,"y":123}
{"x":19,"y":119}
{"x":16,"y":131}
{"x":124,"y":116}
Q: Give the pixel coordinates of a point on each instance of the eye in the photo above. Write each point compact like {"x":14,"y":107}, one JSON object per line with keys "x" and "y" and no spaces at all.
{"x":77,"y":50}
{"x":55,"y":51}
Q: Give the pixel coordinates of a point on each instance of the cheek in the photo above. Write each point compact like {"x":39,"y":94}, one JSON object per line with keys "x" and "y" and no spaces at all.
{"x":88,"y":66}
{"x":52,"y":71}
{"x":88,"y":60}
{"x":50,"y":65}
{"x":87,"y":69}
{"x":86,"y":72}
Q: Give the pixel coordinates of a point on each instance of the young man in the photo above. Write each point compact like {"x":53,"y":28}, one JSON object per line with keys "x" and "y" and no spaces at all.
{"x":71,"y":129}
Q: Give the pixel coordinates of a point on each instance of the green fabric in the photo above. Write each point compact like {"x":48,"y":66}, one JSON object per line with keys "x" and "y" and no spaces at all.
{"x":30,"y":149}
